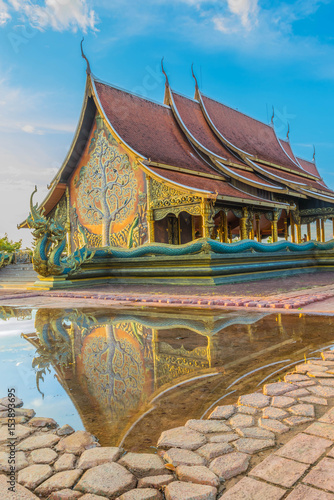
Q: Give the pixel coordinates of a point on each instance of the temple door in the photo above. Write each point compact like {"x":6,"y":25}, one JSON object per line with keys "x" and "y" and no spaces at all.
{"x":173,"y":230}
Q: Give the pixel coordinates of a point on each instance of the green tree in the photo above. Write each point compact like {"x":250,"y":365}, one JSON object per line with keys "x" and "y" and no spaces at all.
{"x":7,"y":245}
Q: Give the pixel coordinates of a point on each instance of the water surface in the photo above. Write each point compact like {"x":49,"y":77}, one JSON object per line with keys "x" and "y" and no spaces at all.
{"x":126,"y":376}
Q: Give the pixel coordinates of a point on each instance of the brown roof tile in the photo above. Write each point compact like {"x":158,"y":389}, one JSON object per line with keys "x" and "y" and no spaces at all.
{"x":192,"y":117}
{"x":251,"y":136}
{"x":149,"y":128}
{"x":199,"y":183}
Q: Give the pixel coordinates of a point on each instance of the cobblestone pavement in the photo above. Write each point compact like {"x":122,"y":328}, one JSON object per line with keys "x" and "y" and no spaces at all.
{"x":243,"y":451}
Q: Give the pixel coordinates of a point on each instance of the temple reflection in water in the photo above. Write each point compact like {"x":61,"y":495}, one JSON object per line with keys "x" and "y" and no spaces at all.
{"x":132,"y":375}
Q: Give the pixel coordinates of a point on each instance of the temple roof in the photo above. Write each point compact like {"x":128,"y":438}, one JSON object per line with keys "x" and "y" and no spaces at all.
{"x":221,"y":189}
{"x":189,"y":111}
{"x":149,"y":129}
{"x":247,"y":134}
{"x":201,"y":144}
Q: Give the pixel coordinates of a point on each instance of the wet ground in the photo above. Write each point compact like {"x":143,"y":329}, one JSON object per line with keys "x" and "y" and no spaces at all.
{"x":126,"y":376}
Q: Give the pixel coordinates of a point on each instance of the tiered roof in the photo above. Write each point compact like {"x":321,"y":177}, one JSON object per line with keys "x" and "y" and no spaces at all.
{"x":199,"y":145}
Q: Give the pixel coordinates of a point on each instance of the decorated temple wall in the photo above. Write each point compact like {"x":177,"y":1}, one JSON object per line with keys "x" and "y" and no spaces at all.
{"x":107,"y":190}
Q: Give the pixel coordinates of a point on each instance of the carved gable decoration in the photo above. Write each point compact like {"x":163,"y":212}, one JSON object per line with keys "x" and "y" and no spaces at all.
{"x":108,"y":193}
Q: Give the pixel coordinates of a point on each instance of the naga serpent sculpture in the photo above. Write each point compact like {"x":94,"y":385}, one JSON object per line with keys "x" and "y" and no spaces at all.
{"x":49,"y":243}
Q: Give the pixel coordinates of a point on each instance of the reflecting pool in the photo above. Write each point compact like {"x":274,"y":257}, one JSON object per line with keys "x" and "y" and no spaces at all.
{"x":126,"y":376}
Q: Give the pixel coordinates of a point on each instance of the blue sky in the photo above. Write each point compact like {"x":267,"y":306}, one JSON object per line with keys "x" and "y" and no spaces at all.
{"x":249,"y":54}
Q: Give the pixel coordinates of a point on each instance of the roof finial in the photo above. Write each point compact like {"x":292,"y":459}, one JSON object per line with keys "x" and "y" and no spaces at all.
{"x":194,"y":77}
{"x":164,"y":72}
{"x":88,"y":71}
{"x":272,"y":117}
{"x":288,"y":133}
{"x":313,"y":153}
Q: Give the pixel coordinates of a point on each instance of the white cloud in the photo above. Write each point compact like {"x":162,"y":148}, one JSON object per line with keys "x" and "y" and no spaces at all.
{"x":246,"y":10}
{"x":4,"y":13}
{"x":59,"y":15}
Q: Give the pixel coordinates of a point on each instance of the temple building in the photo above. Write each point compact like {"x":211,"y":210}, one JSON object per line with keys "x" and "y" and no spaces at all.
{"x":140,"y":171}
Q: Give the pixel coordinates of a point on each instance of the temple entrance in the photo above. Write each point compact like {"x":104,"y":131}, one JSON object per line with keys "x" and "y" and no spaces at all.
{"x":173,"y":230}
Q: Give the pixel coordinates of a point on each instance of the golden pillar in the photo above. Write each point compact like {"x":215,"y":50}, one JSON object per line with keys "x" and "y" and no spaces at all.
{"x":205,"y":209}
{"x":333,"y":227}
{"x":225,"y":227}
{"x":292,"y":226}
{"x":258,"y":228}
{"x":68,"y":222}
{"x":150,"y":225}
{"x":286,"y":229}
{"x":309,"y":237}
{"x":243,"y":224}
{"x":274,"y":230}
{"x":318,"y":230}
{"x":323,"y":237}
{"x":299,"y":232}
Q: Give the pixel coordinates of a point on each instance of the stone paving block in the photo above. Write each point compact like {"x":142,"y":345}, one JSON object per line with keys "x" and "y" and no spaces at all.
{"x":303,"y":410}
{"x":318,"y":374}
{"x":65,"y":430}
{"x":65,"y":462}
{"x":272,"y":412}
{"x":18,"y":403}
{"x":77,"y":442}
{"x":142,"y":494}
{"x":21,"y":432}
{"x":306,"y":383}
{"x":223,"y":438}
{"x":251,"y":446}
{"x":297,"y":420}
{"x":314,"y":400}
{"x":188,"y":491}
{"x":321,"y":429}
{"x":110,"y":479}
{"x":256,"y":400}
{"x":279,"y":470}
{"x":331,"y":453}
{"x":21,"y":493}
{"x":181,"y":437}
{"x":213,"y":450}
{"x":278,"y":388}
{"x":98,"y":456}
{"x":295,"y":377}
{"x":38,"y":441}
{"x":248,"y":410}
{"x":322,"y":475}
{"x":20,"y":461}
{"x":198,"y":475}
{"x":222,"y":412}
{"x":299,"y":393}
{"x":326,"y":355}
{"x":303,"y":492}
{"x":59,"y":481}
{"x":273,"y":425}
{"x":255,"y":432}
{"x":252,"y":489}
{"x":282,"y":401}
{"x":240,"y":420}
{"x":328,"y":417}
{"x":327,"y":381}
{"x":32,"y":476}
{"x":322,"y":391}
{"x":208,"y":426}
{"x":143,"y":464}
{"x":304,"y":448}
{"x":43,"y":456}
{"x":177,"y":456}
{"x":155,"y":481}
{"x":68,"y":494}
{"x":230,"y":465}
{"x":50,"y":423}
